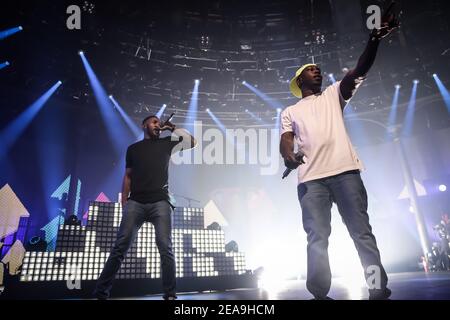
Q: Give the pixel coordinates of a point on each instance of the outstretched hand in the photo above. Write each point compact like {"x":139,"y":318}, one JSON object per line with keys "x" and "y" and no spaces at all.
{"x":389,"y":22}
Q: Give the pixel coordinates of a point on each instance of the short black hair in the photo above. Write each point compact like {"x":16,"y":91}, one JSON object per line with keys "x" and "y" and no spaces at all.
{"x":149,"y":117}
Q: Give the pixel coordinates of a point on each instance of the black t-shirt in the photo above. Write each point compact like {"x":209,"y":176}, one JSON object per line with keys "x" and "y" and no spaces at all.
{"x":149,"y":163}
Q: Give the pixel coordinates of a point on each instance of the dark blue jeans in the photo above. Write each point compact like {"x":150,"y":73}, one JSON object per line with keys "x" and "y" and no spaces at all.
{"x":134,"y":216}
{"x":316,"y":198}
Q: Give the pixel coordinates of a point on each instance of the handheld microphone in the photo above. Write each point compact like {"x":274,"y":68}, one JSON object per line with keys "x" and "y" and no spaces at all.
{"x":286,"y":173}
{"x":298,"y":156}
{"x":170,"y":118}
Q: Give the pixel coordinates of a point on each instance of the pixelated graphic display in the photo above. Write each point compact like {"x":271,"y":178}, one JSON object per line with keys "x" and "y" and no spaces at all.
{"x":11,"y":211}
{"x":81,"y":251}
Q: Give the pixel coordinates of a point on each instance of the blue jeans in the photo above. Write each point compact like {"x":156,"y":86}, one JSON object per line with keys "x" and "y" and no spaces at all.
{"x":316,"y":198}
{"x":134,"y":216}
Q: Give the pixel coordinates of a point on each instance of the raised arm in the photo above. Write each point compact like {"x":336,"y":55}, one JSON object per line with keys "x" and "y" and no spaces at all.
{"x":354,"y":77}
{"x":180,"y":132}
{"x":188,"y":141}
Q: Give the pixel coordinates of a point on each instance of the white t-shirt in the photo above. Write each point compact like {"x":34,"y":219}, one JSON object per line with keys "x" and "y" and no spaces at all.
{"x":318,"y":124}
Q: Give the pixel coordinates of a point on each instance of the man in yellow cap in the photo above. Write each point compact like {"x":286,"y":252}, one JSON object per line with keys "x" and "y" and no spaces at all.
{"x":329,"y":168}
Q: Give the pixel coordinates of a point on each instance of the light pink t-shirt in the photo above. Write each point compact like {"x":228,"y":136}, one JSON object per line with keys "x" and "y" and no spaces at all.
{"x":318,"y":124}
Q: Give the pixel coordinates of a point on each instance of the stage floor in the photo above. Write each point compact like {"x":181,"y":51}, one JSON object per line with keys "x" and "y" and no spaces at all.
{"x":404,"y":286}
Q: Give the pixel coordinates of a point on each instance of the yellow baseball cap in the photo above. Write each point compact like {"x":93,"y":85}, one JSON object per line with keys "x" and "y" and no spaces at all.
{"x":295,"y":90}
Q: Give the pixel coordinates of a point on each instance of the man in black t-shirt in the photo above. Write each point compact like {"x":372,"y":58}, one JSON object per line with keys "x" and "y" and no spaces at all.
{"x":145,"y":198}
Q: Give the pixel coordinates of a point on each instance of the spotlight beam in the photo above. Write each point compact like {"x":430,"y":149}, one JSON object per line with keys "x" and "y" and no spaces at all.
{"x":12,"y":132}
{"x":193,"y":108}
{"x":332,"y":78}
{"x":254,"y":116}
{"x":4,"y":64}
{"x":130,"y":123}
{"x":443,"y":90}
{"x":272,"y":102}
{"x":409,"y":118}
{"x":161,"y":111}
{"x":9,"y":32}
{"x":216,"y":120}
{"x":278,"y":118}
{"x":393,"y":112}
{"x":112,"y":123}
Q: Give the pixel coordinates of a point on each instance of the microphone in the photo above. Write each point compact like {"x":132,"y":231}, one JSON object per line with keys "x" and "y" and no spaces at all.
{"x":170,"y":118}
{"x":286,"y":173}
{"x":298,"y":156}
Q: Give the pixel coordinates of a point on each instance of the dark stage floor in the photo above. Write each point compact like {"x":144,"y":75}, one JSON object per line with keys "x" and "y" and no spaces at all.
{"x":404,"y":286}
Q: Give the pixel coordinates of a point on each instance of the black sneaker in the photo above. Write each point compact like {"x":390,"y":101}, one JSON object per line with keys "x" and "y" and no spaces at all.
{"x":322,"y":298}
{"x":382,"y":294}
{"x":100,"y":296}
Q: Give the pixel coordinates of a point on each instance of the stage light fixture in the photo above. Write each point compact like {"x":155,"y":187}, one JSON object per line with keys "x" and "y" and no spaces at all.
{"x":36,"y":244}
{"x":442,"y":187}
{"x":4,"y":64}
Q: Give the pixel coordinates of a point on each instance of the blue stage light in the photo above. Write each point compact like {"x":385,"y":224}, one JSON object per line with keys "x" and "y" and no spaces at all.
{"x":161,"y":111}
{"x":9,"y":32}
{"x":191,"y":116}
{"x":409,"y":118}
{"x":443,"y":90}
{"x":116,"y":130}
{"x":442,"y":188}
{"x":4,"y":65}
{"x":271,"y":101}
{"x":394,"y":105}
{"x":254,"y":116}
{"x":332,"y":79}
{"x":13,"y":131}
{"x":130,"y":123}
{"x":216,"y":120}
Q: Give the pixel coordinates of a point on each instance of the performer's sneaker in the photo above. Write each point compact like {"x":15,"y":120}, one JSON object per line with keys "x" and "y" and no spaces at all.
{"x":322,"y":298}
{"x":380,"y":294}
{"x":169,"y":297}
